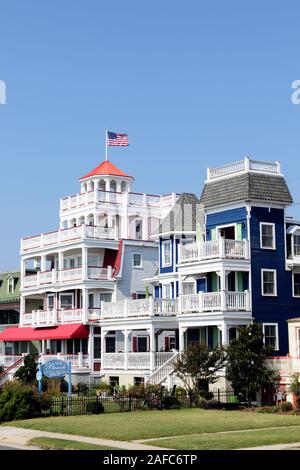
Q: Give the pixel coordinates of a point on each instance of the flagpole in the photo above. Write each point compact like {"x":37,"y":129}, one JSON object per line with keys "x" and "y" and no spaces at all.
{"x":106,"y":145}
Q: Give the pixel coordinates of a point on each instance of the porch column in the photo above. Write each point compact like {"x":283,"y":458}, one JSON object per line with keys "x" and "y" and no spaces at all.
{"x":145,"y":228}
{"x":182,"y":338}
{"x":23,"y":271}
{"x":22,"y":309}
{"x":43,"y":263}
{"x":60,"y":265}
{"x":152,"y":347}
{"x":91,"y":347}
{"x":84,"y":305}
{"x":126,"y":348}
{"x":224,"y":330}
{"x":84,"y":263}
{"x":222,"y":275}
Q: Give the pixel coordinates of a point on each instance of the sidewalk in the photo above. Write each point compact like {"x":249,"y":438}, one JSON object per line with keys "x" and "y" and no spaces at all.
{"x":10,"y":435}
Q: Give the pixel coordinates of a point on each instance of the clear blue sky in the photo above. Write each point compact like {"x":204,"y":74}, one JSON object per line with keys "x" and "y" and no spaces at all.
{"x":193,"y":83}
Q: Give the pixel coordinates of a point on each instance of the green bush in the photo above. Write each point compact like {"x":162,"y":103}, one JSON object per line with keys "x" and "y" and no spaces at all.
{"x":170,"y":402}
{"x":18,"y":401}
{"x":95,"y":407}
{"x":27,"y":372}
{"x":286,"y":406}
{"x":216,"y":405}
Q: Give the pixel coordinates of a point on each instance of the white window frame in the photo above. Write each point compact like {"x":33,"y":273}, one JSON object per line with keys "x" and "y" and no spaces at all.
{"x":273,"y":247}
{"x":219,"y":228}
{"x":10,"y":285}
{"x":297,"y":233}
{"x":141,"y":260}
{"x":262,"y":282}
{"x":276,"y":332}
{"x":298,"y":342}
{"x":293,"y":286}
{"x":52,"y":296}
{"x":164,"y":286}
{"x":163,"y":244}
{"x":62,"y":293}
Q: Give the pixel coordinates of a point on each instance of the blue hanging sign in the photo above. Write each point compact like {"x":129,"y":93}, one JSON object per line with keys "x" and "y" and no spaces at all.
{"x":55,"y":369}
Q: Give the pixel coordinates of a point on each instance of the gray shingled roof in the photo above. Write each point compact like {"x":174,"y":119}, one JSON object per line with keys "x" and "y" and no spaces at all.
{"x":182,"y":217}
{"x":247,"y":186}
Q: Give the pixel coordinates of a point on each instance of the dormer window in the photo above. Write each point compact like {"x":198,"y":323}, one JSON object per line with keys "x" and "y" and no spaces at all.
{"x":11,"y":285}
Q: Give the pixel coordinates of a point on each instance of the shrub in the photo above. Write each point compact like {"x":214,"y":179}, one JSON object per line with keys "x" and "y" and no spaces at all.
{"x":95,"y":407}
{"x":286,"y":406}
{"x":18,"y":401}
{"x":268,"y":409}
{"x":206,"y":395}
{"x":170,"y":402}
{"x":216,"y":405}
{"x":27,"y":372}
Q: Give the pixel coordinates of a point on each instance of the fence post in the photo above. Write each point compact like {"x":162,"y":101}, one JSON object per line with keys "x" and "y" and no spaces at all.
{"x":218,"y":395}
{"x":130,"y":403}
{"x":62,"y":405}
{"x":190,"y":398}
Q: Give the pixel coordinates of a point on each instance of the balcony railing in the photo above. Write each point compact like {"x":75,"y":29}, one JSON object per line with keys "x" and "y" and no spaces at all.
{"x":136,"y":199}
{"x":215,"y":249}
{"x":65,"y":276}
{"x":68,"y":235}
{"x":134,"y":360}
{"x":139,"y":308}
{"x":62,"y":316}
{"x":215,"y":301}
{"x":243,"y":165}
{"x":77,"y":360}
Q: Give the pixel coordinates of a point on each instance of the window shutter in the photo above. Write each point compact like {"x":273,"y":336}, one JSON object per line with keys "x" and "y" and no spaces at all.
{"x":167,"y":343}
{"x":134,"y":344}
{"x":240,"y":284}
{"x":214,"y":282}
{"x":134,"y":295}
{"x":213,"y":234}
{"x":239,"y":235}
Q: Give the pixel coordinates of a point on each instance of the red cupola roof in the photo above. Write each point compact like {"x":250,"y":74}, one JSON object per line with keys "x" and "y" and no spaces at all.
{"x":106,"y":168}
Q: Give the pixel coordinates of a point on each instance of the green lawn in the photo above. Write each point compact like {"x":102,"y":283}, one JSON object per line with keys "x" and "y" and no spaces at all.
{"x":154,"y":424}
{"x":49,"y":443}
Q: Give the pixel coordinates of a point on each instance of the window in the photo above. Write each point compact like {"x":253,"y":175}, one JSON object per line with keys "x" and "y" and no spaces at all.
{"x":296,"y":245}
{"x":172,"y":343}
{"x":138,"y":229}
{"x":66,"y":301}
{"x":110,"y":343}
{"x":114,"y":381}
{"x":167,"y":291}
{"x":97,"y":348}
{"x":50,"y":301}
{"x":91,"y":300}
{"x":166,"y":253}
{"x":270,"y":331}
{"x":142,"y":344}
{"x":267,"y":236}
{"x":296,"y":284}
{"x":11,"y":285}
{"x":136,"y":260}
{"x":269,"y":282}
{"x":138,"y":380}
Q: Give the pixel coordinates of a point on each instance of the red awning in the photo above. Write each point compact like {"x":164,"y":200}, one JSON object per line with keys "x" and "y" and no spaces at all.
{"x":76,"y":330}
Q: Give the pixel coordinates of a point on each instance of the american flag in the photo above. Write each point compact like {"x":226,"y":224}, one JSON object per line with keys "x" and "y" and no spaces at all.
{"x":119,"y":140}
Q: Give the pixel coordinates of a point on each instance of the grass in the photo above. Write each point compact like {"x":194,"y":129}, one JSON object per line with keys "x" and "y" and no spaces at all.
{"x":155,"y":424}
{"x":49,"y":443}
{"x":234,"y":440}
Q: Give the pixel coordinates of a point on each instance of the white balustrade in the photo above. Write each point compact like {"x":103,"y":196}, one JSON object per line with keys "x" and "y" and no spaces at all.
{"x":96,"y":232}
{"x":243,"y":165}
{"x":70,"y":315}
{"x":96,"y":272}
{"x":162,"y":357}
{"x":77,"y":360}
{"x":30,"y":280}
{"x":139,"y":307}
{"x":221,"y":248}
{"x":9,"y":360}
{"x":138,"y":360}
{"x":113,"y":361}
{"x":165,"y":307}
{"x":50,"y":238}
{"x":212,"y":301}
{"x":112,"y":309}
{"x":71,"y":274}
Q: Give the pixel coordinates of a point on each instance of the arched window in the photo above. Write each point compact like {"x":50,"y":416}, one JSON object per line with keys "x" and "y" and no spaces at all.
{"x":113,"y":186}
{"x":101,"y":185}
{"x":83,"y":188}
{"x":90,"y":219}
{"x":81,"y":220}
{"x":92,"y":186}
{"x":138,"y":229}
{"x":64,"y":224}
{"x":10,"y":285}
{"x":73,"y":223}
{"x":123,"y":186}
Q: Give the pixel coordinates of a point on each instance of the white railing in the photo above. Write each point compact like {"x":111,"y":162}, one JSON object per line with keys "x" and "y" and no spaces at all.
{"x":78,"y":361}
{"x":66,"y":275}
{"x":162,"y":357}
{"x":54,"y":317}
{"x":125,"y":198}
{"x":215,"y":301}
{"x":68,"y":235}
{"x":9,"y":360}
{"x":113,"y":361}
{"x":244,"y":165}
{"x":139,"y":308}
{"x":137,"y":360}
{"x":164,"y":371}
{"x":215,"y":249}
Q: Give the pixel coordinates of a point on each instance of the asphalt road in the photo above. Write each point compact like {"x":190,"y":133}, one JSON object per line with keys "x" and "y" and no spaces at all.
{"x":8,"y":448}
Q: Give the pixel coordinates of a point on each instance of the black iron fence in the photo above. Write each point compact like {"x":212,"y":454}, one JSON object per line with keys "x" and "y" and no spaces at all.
{"x":95,"y":404}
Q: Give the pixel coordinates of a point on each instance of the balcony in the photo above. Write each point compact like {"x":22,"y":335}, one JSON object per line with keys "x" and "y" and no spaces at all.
{"x":67,"y":276}
{"x":215,"y":302}
{"x":134,"y":360}
{"x":125,"y":199}
{"x":139,"y":308}
{"x":215,"y":249}
{"x":82,"y":232}
{"x":61,"y":316}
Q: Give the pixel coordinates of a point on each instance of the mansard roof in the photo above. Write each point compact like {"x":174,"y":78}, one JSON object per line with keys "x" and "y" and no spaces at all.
{"x":246,"y":187}
{"x":106,"y":168}
{"x":182,"y":217}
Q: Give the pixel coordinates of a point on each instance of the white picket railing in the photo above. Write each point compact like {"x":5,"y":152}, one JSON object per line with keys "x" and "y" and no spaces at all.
{"x":66,"y":235}
{"x":139,"y":308}
{"x":55,"y":317}
{"x":215,"y":301}
{"x":243,"y":165}
{"x":164,"y":371}
{"x":134,"y":360}
{"x":221,"y":248}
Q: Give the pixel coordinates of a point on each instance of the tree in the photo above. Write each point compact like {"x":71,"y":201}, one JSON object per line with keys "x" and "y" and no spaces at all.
{"x":295,"y":387}
{"x":247,"y":369}
{"x":199,"y":365}
{"x":27,"y":372}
